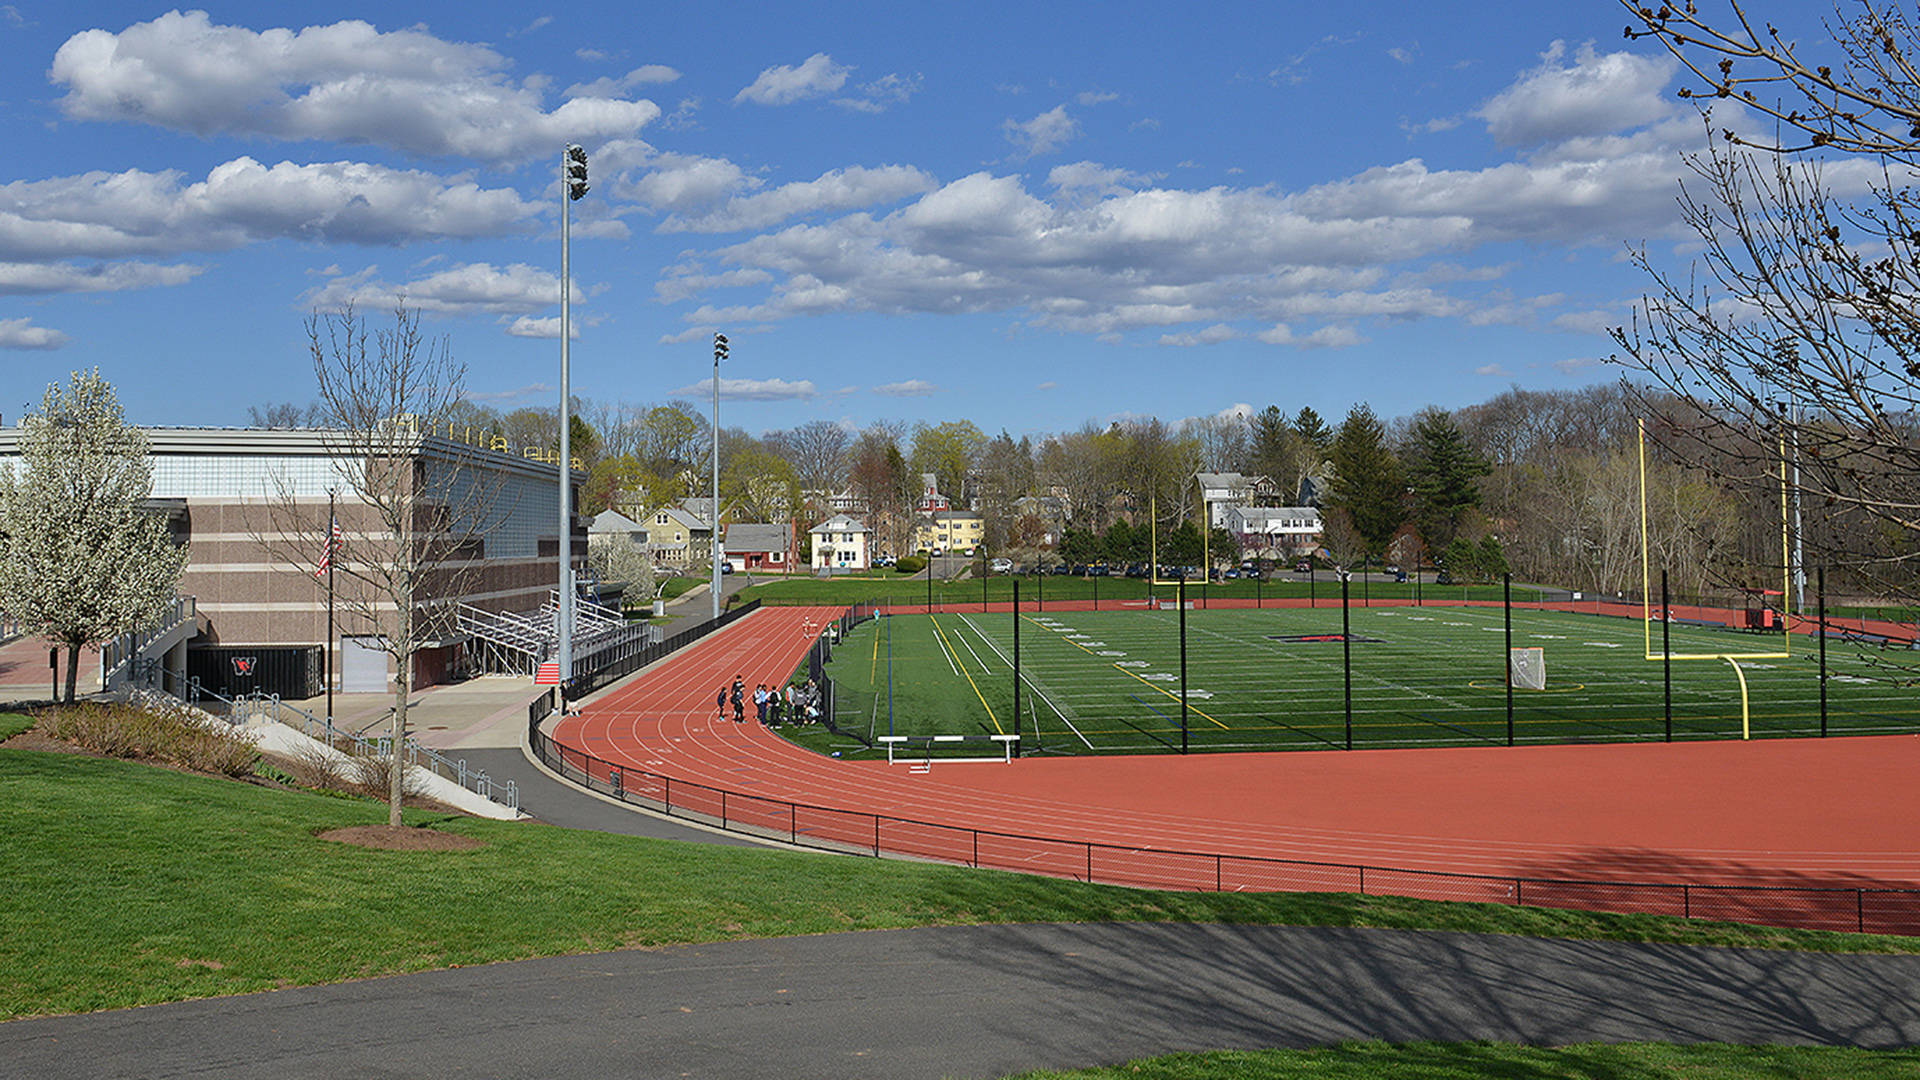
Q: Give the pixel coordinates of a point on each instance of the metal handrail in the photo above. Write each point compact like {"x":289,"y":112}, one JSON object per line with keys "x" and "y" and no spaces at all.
{"x":321,"y":729}
{"x":121,"y":652}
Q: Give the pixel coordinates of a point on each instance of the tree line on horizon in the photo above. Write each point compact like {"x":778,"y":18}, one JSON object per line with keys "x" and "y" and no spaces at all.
{"x":1546,"y":483}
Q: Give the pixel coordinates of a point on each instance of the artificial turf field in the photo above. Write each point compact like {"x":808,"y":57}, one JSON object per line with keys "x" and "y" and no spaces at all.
{"x":1100,"y":682}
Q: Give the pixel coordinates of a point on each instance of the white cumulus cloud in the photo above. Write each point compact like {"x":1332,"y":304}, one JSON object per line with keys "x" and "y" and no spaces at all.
{"x":1044,"y":133}
{"x":908,"y":388}
{"x":1595,"y":94}
{"x":27,"y":278}
{"x":817,"y":76}
{"x":753,"y":389}
{"x":107,"y":215}
{"x":346,"y":82}
{"x":518,"y":289}
{"x":22,"y":334}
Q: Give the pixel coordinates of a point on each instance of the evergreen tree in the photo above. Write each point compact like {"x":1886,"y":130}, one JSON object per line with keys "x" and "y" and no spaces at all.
{"x":1366,"y":479}
{"x":1308,"y":425}
{"x":1119,"y":543}
{"x":1493,"y":558}
{"x":1443,"y":470}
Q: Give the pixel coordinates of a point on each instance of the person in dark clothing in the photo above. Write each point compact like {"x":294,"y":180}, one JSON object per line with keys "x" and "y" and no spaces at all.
{"x":739,"y":700}
{"x":720,"y":703}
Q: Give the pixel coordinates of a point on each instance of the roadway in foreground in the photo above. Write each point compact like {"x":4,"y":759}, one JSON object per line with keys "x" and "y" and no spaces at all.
{"x":984,"y":1001}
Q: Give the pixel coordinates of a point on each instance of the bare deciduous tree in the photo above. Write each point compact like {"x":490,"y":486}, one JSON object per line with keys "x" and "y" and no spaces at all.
{"x":1795,"y":340}
{"x":411,"y":521}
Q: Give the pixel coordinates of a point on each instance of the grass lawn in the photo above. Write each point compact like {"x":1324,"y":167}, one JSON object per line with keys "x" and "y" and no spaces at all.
{"x":1475,"y":1061}
{"x":1275,"y":679}
{"x":902,"y":589}
{"x":130,"y":884}
{"x":675,"y":587}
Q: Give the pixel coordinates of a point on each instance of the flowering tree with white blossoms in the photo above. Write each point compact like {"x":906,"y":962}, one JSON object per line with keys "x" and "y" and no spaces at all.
{"x":81,"y":559}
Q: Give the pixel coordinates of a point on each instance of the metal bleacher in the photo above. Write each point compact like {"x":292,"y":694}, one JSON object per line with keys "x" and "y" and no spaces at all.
{"x":518,"y":642}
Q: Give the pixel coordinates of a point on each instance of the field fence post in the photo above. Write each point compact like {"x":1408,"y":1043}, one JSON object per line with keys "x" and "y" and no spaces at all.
{"x":1666,"y":653}
{"x":1820,"y":584}
{"x":1346,"y":657}
{"x":1506,"y":595}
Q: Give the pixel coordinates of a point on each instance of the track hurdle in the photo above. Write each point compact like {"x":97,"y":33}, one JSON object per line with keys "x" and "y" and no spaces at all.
{"x":898,"y":744}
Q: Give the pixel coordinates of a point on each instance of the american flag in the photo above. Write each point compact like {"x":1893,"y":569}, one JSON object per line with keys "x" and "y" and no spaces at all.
{"x":332,"y":549}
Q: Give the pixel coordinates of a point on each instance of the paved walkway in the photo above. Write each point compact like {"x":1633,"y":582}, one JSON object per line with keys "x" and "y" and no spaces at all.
{"x":984,"y":1002}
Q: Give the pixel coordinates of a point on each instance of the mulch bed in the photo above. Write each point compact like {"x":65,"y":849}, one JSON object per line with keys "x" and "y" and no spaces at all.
{"x":401,"y":838}
{"x":32,"y":739}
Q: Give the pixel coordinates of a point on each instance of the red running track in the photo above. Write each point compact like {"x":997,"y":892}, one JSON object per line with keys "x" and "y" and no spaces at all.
{"x":1806,"y":813}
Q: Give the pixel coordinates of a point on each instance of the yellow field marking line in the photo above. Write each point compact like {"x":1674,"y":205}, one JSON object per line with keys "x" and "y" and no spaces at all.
{"x":873,"y":672}
{"x":1148,"y":682}
{"x":963,"y":670}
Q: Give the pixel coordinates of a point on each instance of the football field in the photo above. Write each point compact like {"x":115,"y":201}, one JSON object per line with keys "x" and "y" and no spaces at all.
{"x":1277,"y":679}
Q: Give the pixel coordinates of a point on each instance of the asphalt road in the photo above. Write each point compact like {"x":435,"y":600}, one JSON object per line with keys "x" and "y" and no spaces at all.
{"x":557,"y":803}
{"x":983,"y":1002}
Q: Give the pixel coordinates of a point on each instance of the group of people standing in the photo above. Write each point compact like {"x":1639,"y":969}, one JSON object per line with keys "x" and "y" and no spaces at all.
{"x":794,"y":704}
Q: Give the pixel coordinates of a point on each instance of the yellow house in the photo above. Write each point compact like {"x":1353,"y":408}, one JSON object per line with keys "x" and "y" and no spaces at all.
{"x":670,"y":533}
{"x":949,"y":531}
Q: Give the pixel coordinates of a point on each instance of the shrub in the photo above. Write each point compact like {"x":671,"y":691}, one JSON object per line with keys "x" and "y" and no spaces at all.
{"x":373,"y":777}
{"x":175,"y":736}
{"x":313,"y":767}
{"x":910,"y":564}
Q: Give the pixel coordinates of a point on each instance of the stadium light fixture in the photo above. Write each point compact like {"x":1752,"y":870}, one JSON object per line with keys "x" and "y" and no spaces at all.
{"x":573,"y":184}
{"x":719,"y":354}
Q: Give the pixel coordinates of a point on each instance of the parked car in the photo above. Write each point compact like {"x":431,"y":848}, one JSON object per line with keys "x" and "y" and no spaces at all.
{"x":1303,"y":566}
{"x":968,"y":553}
{"x":1000,"y":566}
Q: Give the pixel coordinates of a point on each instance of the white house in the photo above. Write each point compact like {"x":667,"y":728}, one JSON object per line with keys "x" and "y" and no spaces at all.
{"x":616,"y":525}
{"x":1285,"y":530}
{"x":841,"y":542}
{"x":1221,"y":491}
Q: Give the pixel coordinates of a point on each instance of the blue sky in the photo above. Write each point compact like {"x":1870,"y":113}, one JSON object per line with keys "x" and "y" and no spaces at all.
{"x":969,"y":211}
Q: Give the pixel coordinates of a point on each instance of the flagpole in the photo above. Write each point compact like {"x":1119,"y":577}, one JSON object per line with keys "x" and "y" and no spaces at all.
{"x":333,"y":525}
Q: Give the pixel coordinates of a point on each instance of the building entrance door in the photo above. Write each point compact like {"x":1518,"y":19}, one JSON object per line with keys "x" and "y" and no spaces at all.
{"x":363,"y":666}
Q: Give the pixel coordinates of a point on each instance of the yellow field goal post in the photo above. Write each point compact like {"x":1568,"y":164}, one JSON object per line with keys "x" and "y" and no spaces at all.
{"x":1733,"y":658}
{"x":1206,"y":546}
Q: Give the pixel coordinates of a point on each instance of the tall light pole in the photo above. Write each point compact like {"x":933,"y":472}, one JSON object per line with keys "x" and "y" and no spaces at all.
{"x":719,"y":354}
{"x":573,"y":184}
